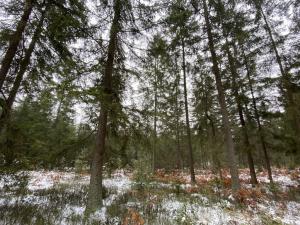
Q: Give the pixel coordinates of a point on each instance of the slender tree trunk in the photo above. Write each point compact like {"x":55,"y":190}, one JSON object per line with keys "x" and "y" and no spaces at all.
{"x":186,"y":107}
{"x":178,"y":148}
{"x":246,"y":140}
{"x":123,"y":153}
{"x":235,"y":88}
{"x":260,"y":160}
{"x":257,"y":118}
{"x":155,"y":120}
{"x":234,"y":77}
{"x":56,"y":120}
{"x":95,"y":188}
{"x":180,"y":157}
{"x":215,"y":158}
{"x":216,"y":165}
{"x":19,"y":78}
{"x":231,"y":156}
{"x":285,"y":77}
{"x":290,"y":105}
{"x":15,"y":41}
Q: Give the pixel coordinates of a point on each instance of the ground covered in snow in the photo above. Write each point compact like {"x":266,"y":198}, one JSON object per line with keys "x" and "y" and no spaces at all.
{"x":56,"y":197}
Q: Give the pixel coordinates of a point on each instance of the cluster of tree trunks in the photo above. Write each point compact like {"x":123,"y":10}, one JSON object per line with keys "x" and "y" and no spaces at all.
{"x":95,"y":188}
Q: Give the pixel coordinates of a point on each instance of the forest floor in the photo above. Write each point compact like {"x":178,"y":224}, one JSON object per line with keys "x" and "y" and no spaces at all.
{"x":56,"y":197}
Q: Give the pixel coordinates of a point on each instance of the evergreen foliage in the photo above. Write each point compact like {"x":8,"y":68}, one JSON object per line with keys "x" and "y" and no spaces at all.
{"x":178,"y":83}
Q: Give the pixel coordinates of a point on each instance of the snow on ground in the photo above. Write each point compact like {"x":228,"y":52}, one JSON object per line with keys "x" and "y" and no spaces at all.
{"x":203,"y":212}
{"x":47,"y":179}
{"x":292,"y":214}
{"x":199,"y":214}
{"x":119,"y":182}
{"x":284,"y":213}
{"x":282,"y":177}
{"x":194,"y":208}
{"x":43,"y":179}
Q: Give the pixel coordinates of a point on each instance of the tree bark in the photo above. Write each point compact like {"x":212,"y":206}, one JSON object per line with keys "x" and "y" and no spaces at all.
{"x":15,"y":41}
{"x":178,"y":148}
{"x":155,"y":120}
{"x":123,"y":153}
{"x":216,"y":165}
{"x":19,"y":78}
{"x":290,"y":106}
{"x":234,"y":76}
{"x":215,"y":158}
{"x":257,"y":118}
{"x":186,"y":107}
{"x":95,"y":188}
{"x":231,"y":156}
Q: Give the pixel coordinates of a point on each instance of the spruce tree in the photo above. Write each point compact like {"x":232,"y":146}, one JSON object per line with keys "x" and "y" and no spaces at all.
{"x":231,"y":155}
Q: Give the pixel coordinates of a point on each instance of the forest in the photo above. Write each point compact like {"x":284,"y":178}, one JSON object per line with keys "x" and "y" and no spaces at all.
{"x":138,"y":112}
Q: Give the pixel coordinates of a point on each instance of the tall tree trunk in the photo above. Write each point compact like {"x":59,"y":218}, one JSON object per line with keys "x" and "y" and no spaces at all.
{"x":215,"y":158}
{"x":178,"y":148}
{"x":59,"y":108}
{"x":186,"y":107}
{"x":257,"y":118}
{"x":260,"y":160}
{"x":234,"y":76}
{"x":19,"y":78}
{"x":124,"y":156}
{"x":235,"y":87}
{"x":290,"y":105}
{"x":15,"y":41}
{"x":231,"y":156}
{"x":155,"y":120}
{"x":95,"y":188}
{"x":216,"y":165}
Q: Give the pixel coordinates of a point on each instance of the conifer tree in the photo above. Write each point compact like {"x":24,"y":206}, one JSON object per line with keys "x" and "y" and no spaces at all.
{"x":15,"y":41}
{"x":232,"y":61}
{"x":286,"y":83}
{"x":231,"y":157}
{"x":51,"y":16}
{"x":184,"y":27}
{"x":95,"y":189}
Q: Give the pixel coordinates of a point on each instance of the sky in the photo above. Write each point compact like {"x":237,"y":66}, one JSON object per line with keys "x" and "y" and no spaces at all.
{"x":132,"y":95}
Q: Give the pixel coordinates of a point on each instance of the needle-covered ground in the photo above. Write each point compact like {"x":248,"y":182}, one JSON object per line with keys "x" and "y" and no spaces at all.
{"x":56,"y":197}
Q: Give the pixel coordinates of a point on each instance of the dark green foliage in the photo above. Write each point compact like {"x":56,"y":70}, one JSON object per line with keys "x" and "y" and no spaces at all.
{"x":37,"y":139}
{"x":64,"y":83}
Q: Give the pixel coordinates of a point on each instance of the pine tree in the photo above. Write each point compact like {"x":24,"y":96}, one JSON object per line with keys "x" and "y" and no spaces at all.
{"x":95,"y":189}
{"x":231,"y":157}
{"x":15,"y":41}
{"x":207,"y":113}
{"x":184,"y":27}
{"x":54,"y":15}
{"x":286,"y":84}
{"x":156,"y":60}
{"x":232,"y":61}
